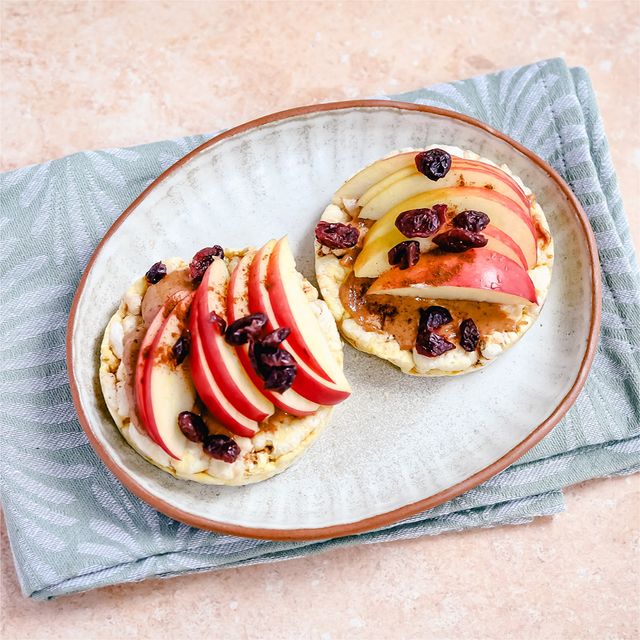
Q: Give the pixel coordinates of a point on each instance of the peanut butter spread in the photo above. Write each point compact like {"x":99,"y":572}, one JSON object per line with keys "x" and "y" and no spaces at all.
{"x":156,"y":294}
{"x":399,"y":315}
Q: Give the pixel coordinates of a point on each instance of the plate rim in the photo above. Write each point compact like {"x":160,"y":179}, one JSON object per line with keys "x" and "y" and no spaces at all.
{"x":400,"y":513}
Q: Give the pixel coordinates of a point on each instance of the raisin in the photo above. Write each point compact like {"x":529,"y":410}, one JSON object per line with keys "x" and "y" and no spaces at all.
{"x":434,"y":164}
{"x":458,"y":240}
{"x":421,"y":223}
{"x":201,"y":261}
{"x":156,"y":273}
{"x":192,"y":426}
{"x":274,"y":338}
{"x":245,"y":329}
{"x":280,"y":379}
{"x":181,"y":347}
{"x":336,"y":235}
{"x":471,"y":220}
{"x":405,"y":254}
{"x":221,"y":447}
{"x":430,"y":344}
{"x":218,"y":321}
{"x":434,"y":317}
{"x":469,"y":335}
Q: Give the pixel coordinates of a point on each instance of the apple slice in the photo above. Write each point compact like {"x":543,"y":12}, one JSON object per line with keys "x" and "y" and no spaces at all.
{"x":374,"y":173}
{"x":385,"y":183}
{"x":502,"y":243}
{"x":463,"y":173}
{"x":167,"y":387}
{"x":322,"y":389}
{"x":375,"y":255}
{"x":145,"y":351}
{"x":479,"y":275}
{"x":291,"y":309}
{"x":471,"y":173}
{"x":503,"y":213}
{"x":238,"y":307}
{"x":210,"y":392}
{"x":454,"y":197}
{"x":221,"y":357}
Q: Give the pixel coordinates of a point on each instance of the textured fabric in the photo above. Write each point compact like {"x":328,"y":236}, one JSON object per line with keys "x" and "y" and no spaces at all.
{"x":72,"y":525}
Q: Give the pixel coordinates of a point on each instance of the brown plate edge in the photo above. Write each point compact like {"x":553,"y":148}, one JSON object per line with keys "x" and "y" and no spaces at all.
{"x":390,"y":517}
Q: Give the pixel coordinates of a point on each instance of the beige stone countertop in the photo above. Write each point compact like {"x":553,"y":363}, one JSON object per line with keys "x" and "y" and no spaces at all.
{"x":106,"y":74}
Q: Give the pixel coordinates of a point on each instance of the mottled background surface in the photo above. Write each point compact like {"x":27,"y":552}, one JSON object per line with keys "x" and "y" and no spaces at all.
{"x":87,"y":75}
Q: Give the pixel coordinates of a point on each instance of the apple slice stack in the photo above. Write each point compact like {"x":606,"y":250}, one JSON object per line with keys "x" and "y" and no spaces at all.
{"x":494,"y":270}
{"x":245,"y":343}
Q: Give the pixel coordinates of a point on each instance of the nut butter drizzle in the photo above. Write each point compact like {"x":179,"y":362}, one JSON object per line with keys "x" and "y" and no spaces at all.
{"x":399,"y":315}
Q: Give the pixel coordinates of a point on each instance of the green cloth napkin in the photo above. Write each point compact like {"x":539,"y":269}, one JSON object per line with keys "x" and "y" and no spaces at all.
{"x":72,"y":525}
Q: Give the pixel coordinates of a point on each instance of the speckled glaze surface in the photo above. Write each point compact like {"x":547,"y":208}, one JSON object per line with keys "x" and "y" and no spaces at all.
{"x":274,"y":179}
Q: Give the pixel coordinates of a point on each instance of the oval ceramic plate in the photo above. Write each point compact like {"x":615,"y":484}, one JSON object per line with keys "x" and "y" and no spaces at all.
{"x":400,"y":444}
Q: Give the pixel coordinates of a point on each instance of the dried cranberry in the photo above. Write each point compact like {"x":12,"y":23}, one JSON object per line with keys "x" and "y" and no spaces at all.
{"x":405,"y":254}
{"x":434,"y":164}
{"x":471,"y":220}
{"x":201,"y":261}
{"x":469,"y":335}
{"x":253,"y":357}
{"x":336,"y":235}
{"x":431,"y":344}
{"x":280,"y":379}
{"x":265,"y":358}
{"x":156,"y":272}
{"x":218,"y":321}
{"x":275,"y":365}
{"x":274,"y":338}
{"x":458,"y":240}
{"x":192,"y":426}
{"x":181,"y":347}
{"x":421,"y":223}
{"x":221,"y":447}
{"x":434,"y":317}
{"x":272,"y":357}
{"x":245,"y":329}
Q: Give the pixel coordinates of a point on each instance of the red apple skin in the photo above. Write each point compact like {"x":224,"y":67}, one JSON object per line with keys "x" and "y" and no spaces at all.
{"x":508,"y":241}
{"x":238,"y":307}
{"x":143,"y":357}
{"x":181,"y":309}
{"x":307,"y":382}
{"x":499,"y":198}
{"x":463,"y":164}
{"x":210,"y":393}
{"x":477,"y":269}
{"x":483,"y":200}
{"x":525,"y":217}
{"x":407,"y":159}
{"x":284,"y":315}
{"x":247,"y":399}
{"x":461,"y":176}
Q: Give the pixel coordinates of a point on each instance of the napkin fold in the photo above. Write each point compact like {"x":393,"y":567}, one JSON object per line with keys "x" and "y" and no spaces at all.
{"x":71,"y":524}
